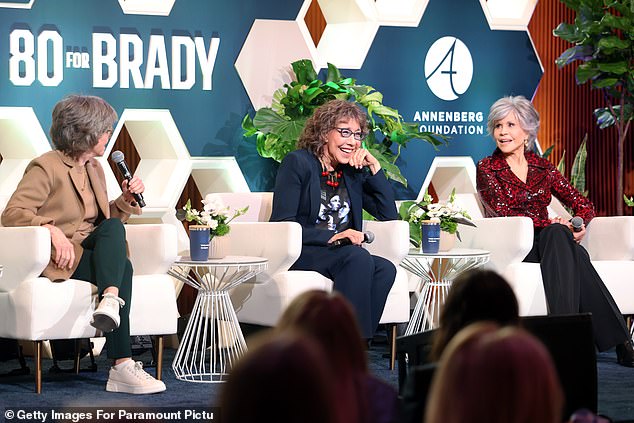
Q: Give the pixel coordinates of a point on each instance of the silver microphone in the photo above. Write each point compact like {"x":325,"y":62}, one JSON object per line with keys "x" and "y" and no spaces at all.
{"x":577,"y":224}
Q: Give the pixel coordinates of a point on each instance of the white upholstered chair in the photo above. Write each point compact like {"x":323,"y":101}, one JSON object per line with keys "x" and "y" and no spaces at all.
{"x":35,"y":309}
{"x":263,"y":300}
{"x":609,"y":240}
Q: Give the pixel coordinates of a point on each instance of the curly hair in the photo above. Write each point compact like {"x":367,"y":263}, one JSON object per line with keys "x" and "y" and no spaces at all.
{"x":524,"y":110}
{"x":325,"y":119}
{"x":78,"y":123}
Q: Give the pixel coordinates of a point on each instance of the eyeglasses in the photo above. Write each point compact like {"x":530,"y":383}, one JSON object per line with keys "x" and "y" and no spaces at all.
{"x":345,"y":133}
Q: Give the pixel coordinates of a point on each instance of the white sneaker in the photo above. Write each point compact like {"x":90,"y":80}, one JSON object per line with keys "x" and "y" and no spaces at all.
{"x":129,"y":377}
{"x":106,"y":316}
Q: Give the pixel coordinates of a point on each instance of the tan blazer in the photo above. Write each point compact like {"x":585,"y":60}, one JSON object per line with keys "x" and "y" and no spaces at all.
{"x":49,"y":194}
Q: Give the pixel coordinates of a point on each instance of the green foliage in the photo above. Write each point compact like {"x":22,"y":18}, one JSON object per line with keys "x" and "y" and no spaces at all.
{"x":578,"y":172}
{"x":277,"y":128}
{"x":602,"y":35}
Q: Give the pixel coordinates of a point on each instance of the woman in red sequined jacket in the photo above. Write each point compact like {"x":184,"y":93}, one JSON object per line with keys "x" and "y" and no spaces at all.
{"x":514,"y":181}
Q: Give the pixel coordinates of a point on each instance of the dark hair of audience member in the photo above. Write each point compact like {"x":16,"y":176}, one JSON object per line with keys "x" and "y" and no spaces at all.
{"x":495,"y":375}
{"x":282,"y":378}
{"x":329,"y":318}
{"x":474,"y":296}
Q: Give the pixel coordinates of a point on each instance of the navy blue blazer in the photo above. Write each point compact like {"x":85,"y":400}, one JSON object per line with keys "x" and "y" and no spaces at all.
{"x":297,"y":195}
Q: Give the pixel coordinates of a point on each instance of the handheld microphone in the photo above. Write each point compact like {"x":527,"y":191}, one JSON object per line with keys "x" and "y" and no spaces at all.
{"x":368,"y":237}
{"x":577,"y":224}
{"x":119,"y":160}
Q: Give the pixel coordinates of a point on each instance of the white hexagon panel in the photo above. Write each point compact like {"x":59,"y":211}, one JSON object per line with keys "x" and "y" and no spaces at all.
{"x":508,"y":15}
{"x":147,"y":7}
{"x":264,"y":61}
{"x":164,"y":164}
{"x":21,"y":140}
{"x":400,"y":12}
{"x":17,"y":4}
{"x":351,"y":26}
{"x":449,"y":173}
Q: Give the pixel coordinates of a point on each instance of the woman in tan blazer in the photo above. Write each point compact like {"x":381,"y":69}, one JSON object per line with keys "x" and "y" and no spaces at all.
{"x":64,"y":190}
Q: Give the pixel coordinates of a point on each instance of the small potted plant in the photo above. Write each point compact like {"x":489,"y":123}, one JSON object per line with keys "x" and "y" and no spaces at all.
{"x":448,"y":214}
{"x":214,"y":215}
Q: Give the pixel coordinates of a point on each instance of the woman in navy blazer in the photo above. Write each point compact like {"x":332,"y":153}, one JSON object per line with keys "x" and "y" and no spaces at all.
{"x":324,"y":186}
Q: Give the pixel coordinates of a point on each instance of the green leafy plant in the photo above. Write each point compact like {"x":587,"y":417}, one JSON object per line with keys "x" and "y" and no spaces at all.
{"x":578,"y":171}
{"x":603,"y":37}
{"x":277,"y":128}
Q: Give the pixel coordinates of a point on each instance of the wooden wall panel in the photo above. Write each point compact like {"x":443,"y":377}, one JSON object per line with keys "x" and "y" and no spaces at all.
{"x":566,"y":113}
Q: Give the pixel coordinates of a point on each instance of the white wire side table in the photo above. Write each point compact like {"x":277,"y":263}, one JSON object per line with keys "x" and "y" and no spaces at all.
{"x":437,"y":271}
{"x":213,"y":340}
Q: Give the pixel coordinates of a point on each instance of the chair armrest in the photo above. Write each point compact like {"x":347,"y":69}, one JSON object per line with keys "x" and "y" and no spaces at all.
{"x":509,"y":239}
{"x":391,"y":239}
{"x":152,"y":247}
{"x":24,"y":252}
{"x":279,"y":242}
{"x":610,"y":238}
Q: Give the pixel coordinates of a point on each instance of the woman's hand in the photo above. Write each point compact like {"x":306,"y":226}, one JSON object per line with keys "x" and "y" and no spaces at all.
{"x":355,"y":237}
{"x":135,"y":186}
{"x":578,"y":235}
{"x":64,"y":249}
{"x":362,"y":157}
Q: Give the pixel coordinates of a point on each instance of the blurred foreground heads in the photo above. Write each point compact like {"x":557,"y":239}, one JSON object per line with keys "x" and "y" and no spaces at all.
{"x":494,"y":375}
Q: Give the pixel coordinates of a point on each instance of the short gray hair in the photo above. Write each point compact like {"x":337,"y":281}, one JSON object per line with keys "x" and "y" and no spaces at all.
{"x":524,"y":110}
{"x":78,"y":123}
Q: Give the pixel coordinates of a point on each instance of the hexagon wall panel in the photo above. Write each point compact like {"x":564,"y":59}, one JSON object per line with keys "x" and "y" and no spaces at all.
{"x":354,"y":21}
{"x":508,"y":15}
{"x":264,"y":61}
{"x":21,"y":140}
{"x":147,"y":7}
{"x":17,"y":4}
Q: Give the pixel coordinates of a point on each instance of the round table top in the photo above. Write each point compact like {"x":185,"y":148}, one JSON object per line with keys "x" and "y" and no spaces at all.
{"x":453,"y":253}
{"x":225,"y":261}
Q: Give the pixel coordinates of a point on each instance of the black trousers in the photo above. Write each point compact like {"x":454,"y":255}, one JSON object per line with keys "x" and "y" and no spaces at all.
{"x":572,"y":285}
{"x":104,"y":263}
{"x":365,"y":280}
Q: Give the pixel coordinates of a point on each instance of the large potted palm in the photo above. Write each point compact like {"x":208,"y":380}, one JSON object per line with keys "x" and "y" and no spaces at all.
{"x":277,"y":128}
{"x":603,"y":38}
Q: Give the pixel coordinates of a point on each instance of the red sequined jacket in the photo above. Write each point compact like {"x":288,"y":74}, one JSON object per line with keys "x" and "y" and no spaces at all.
{"x":504,"y":194}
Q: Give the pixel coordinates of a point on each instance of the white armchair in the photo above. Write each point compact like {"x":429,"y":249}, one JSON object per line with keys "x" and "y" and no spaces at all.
{"x":263,"y":301}
{"x":35,"y":309}
{"x":609,"y":240}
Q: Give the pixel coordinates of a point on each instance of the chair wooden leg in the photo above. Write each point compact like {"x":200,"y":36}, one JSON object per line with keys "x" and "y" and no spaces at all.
{"x":159,"y":357}
{"x":393,"y":348}
{"x":38,"y":366}
{"x":77,"y":354}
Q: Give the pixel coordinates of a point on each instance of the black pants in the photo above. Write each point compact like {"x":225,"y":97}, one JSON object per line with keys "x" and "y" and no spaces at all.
{"x":364,"y":279}
{"x":104,"y":263}
{"x":572,"y":285}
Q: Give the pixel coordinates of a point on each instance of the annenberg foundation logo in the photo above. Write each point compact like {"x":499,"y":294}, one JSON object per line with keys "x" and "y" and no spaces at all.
{"x":448,"y":68}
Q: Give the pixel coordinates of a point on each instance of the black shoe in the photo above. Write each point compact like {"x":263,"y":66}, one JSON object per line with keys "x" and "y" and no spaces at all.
{"x":625,"y":354}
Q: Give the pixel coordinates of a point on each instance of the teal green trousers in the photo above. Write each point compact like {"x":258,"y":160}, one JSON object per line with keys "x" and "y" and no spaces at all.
{"x":104,"y":263}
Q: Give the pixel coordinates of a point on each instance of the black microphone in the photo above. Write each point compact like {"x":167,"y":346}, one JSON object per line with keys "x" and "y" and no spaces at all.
{"x":577,"y":224}
{"x":368,"y":237}
{"x":118,"y":158}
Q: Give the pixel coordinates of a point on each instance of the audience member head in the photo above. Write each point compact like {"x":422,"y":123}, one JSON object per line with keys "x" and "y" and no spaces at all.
{"x":283,"y":378}
{"x":78,"y":122}
{"x":526,"y":113}
{"x":325,"y":119}
{"x":329,"y":319}
{"x":495,"y":375}
{"x":474,"y":296}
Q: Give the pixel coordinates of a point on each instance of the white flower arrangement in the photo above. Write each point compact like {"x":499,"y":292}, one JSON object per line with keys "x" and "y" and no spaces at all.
{"x":449,"y":214}
{"x":214,"y":214}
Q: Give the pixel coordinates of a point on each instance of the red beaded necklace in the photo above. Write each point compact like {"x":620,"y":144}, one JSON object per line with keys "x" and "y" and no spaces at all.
{"x":333,"y":176}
